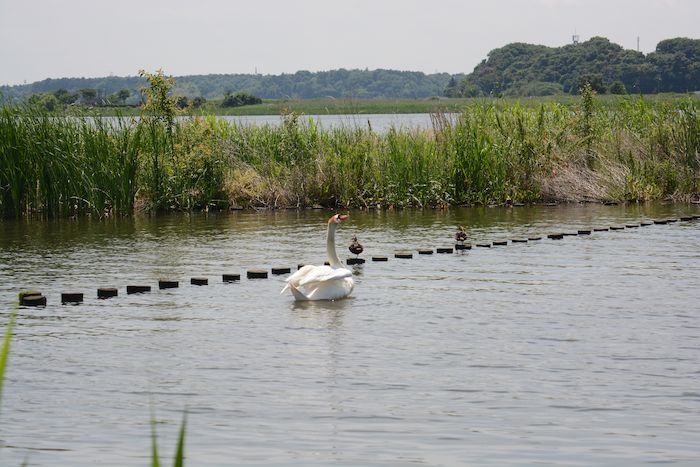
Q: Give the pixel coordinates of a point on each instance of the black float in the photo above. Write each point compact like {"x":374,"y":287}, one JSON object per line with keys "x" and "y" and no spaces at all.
{"x":601,"y":229}
{"x":131,"y":289}
{"x":256,"y":274}
{"x":519,"y":240}
{"x":32,"y":298}
{"x":199,"y":281}
{"x":278,"y":271}
{"x":500,"y":243}
{"x":584,"y":232}
{"x":35,"y":299}
{"x":107,"y":292}
{"x":425,"y":252}
{"x":380,"y":258}
{"x":613,"y":227}
{"x":483,"y":245}
{"x":230,"y":277}
{"x":71,"y":298}
{"x":445,"y":250}
{"x":168,"y":284}
{"x":403,"y":255}
{"x":557,"y":236}
{"x":351,"y":261}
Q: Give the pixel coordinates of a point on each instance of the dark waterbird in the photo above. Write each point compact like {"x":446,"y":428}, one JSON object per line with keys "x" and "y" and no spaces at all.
{"x":460,"y":235}
{"x":355,"y":247}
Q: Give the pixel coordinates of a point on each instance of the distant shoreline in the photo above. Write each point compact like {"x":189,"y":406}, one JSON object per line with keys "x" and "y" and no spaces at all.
{"x":331,"y":106}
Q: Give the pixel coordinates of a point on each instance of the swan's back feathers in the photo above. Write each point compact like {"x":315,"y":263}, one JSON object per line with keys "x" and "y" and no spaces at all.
{"x":320,"y":283}
{"x":317,"y":274}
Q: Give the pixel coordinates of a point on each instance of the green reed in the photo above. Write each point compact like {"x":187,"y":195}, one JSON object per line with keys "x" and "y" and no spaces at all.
{"x":5,"y":350}
{"x":66,"y":166}
{"x":629,"y":149}
{"x":179,"y":457}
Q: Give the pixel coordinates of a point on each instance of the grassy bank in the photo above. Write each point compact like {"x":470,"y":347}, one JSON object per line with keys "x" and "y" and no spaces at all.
{"x":589,"y":149}
{"x":332,"y":106}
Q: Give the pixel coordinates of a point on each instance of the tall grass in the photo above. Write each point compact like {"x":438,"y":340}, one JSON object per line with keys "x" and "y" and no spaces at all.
{"x":629,"y":149}
{"x":179,"y":457}
{"x":66,"y":166}
{"x":5,"y":350}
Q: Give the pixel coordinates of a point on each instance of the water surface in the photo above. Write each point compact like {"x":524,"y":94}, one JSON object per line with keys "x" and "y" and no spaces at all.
{"x":377,"y":122}
{"x":579,"y":351}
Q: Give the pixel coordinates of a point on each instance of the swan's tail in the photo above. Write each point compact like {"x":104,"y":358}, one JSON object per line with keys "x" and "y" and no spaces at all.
{"x":298,"y":294}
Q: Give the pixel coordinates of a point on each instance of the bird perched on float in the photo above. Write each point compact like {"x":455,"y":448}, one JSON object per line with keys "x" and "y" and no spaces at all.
{"x":329,"y":282}
{"x":355,"y":247}
{"x":460,"y":235}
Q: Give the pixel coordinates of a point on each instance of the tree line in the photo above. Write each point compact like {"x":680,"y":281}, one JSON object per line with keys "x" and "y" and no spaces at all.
{"x":520,"y":69}
{"x":342,"y":83}
{"x":517,"y":69}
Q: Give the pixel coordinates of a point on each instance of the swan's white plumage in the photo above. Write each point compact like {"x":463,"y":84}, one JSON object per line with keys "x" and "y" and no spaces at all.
{"x":320,"y":283}
{"x":323,"y":282}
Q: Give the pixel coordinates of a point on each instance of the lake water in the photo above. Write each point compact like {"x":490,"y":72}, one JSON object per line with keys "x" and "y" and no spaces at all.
{"x":378,"y":122}
{"x":581,"y":351}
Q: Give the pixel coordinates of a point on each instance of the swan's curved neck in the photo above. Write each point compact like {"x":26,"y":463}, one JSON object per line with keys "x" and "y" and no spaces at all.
{"x":330,"y":246}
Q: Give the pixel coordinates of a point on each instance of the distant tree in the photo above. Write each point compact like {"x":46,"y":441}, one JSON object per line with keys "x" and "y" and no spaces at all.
{"x":618,"y":87}
{"x":182,"y":102}
{"x":123,"y":95}
{"x":594,"y":80}
{"x":65,"y":97}
{"x":451,"y":90}
{"x":468,"y":89}
{"x":198,"y":102}
{"x":88,"y":96}
{"x":44,"y":99}
{"x":239,"y":99}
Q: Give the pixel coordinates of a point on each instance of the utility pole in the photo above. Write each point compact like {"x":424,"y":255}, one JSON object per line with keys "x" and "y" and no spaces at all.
{"x":637,"y":43}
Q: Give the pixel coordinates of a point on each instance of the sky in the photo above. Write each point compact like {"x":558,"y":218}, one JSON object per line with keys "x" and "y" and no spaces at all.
{"x":42,"y":39}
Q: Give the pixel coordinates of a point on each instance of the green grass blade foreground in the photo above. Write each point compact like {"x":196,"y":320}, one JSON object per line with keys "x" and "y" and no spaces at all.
{"x":5,"y":351}
{"x":180,"y":452}
{"x":179,"y":458}
{"x":155,"y":461}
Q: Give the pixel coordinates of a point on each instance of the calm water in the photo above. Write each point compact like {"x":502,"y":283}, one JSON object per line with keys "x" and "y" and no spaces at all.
{"x":583,"y":351}
{"x":378,"y":122}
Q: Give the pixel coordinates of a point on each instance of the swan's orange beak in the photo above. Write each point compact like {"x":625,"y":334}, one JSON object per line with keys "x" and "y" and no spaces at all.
{"x":343,"y":217}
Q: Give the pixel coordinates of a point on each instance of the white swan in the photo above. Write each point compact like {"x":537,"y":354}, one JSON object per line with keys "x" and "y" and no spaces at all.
{"x":323,"y":282}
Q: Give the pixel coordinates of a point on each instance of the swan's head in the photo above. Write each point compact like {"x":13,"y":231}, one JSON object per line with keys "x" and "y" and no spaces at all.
{"x":337,"y":219}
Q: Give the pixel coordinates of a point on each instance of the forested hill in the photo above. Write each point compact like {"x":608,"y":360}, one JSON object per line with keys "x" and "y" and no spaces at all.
{"x":520,"y":69}
{"x":302,"y":84}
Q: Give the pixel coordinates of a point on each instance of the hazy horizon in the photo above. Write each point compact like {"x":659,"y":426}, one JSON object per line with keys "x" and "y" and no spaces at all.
{"x":42,"y":39}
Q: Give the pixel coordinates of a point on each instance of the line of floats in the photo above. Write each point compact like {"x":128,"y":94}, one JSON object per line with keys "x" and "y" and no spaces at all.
{"x":38,"y":299}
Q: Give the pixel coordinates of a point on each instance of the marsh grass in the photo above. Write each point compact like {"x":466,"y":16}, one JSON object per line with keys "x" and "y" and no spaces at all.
{"x":5,"y":350}
{"x":179,"y":457}
{"x":590,"y":149}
